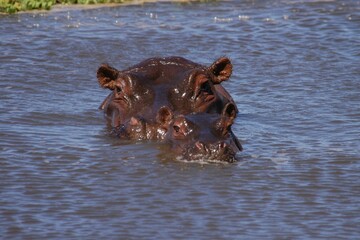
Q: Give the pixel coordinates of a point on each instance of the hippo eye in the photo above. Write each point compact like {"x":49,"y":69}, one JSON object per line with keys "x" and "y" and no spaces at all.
{"x":176,"y":128}
{"x":206,"y":87}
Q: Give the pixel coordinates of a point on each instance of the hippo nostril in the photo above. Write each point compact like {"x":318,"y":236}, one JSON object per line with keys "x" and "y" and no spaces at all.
{"x":133,"y":121}
{"x":222,"y":145}
{"x":176,"y":128}
{"x":199,"y":145}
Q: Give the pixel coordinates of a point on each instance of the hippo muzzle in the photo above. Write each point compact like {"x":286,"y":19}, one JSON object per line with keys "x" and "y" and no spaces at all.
{"x":211,"y":152}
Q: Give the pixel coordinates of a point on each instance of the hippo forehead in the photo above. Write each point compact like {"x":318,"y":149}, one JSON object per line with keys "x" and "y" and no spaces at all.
{"x":166,"y":61}
{"x":163,"y":70}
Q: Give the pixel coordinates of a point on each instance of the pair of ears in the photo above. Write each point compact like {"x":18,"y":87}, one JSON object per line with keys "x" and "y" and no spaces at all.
{"x":221,"y":69}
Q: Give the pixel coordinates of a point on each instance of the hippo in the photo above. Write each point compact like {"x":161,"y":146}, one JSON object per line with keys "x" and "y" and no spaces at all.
{"x":139,"y":128}
{"x":205,"y":136}
{"x":175,"y":101}
{"x":181,"y":85}
{"x":192,"y":137}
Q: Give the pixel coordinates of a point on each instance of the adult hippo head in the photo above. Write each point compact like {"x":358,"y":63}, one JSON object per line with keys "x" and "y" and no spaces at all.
{"x":205,"y":136}
{"x":180,"y":84}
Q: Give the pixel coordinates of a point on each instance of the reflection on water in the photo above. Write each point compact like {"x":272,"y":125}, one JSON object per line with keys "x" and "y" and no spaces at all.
{"x":296,"y":83}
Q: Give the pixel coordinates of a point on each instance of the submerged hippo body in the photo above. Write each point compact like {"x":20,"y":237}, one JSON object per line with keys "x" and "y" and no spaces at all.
{"x":180,"y":84}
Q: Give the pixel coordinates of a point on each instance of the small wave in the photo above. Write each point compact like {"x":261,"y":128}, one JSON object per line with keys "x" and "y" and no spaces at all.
{"x":202,"y":161}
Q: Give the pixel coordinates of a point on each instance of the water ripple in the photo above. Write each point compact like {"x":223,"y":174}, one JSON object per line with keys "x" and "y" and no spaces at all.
{"x":296,"y":83}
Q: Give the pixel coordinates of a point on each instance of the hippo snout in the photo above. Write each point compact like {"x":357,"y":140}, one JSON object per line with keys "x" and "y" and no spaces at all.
{"x":218,"y":151}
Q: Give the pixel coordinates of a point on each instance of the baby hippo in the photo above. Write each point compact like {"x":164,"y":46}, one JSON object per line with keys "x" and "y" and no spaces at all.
{"x":205,"y":136}
{"x":200,"y":136}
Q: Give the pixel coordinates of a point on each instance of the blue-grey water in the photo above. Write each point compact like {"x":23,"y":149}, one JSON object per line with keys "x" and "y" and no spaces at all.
{"x":296,"y":82}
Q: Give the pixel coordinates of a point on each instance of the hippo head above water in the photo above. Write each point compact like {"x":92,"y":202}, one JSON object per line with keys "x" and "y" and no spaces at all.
{"x":182,"y":85}
{"x":175,"y":101}
{"x":204,"y":136}
{"x":199,"y":136}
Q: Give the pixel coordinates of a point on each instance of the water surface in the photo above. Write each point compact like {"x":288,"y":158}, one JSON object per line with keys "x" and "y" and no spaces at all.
{"x":296,"y":81}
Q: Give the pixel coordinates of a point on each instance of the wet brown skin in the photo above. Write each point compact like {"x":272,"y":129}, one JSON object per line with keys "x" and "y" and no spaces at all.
{"x":199,"y":136}
{"x":205,"y":136}
{"x":138,"y":128}
{"x":177,"y":83}
{"x":176,"y":101}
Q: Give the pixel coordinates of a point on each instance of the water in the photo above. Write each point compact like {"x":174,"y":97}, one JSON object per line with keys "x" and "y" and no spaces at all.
{"x":296,"y":82}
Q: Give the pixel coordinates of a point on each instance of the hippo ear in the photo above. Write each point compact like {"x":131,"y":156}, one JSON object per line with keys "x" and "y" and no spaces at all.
{"x":229,"y":111}
{"x":228,"y":114}
{"x":164,"y":116}
{"x":106,"y":76}
{"x":222,"y":69}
